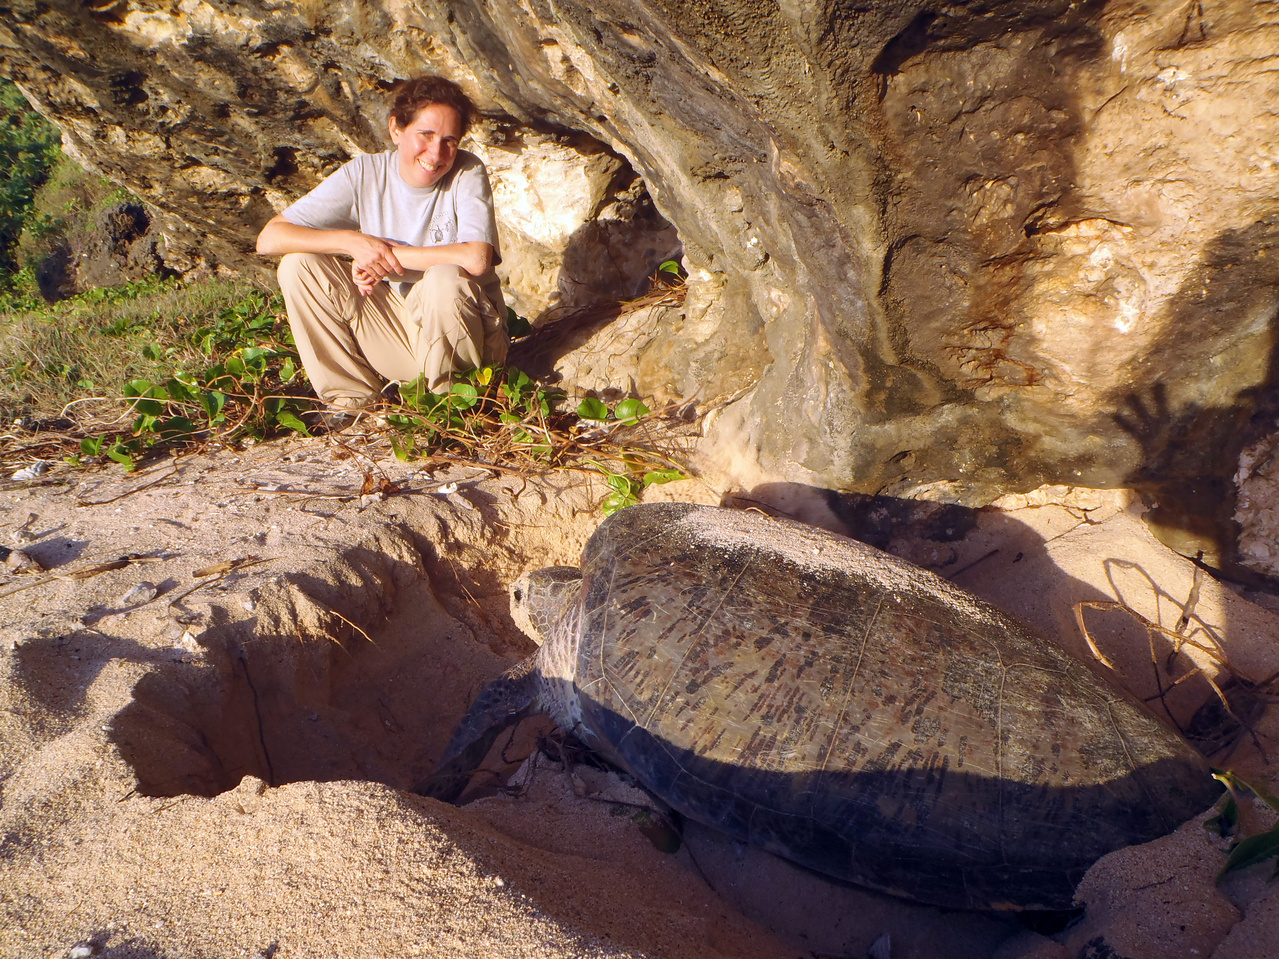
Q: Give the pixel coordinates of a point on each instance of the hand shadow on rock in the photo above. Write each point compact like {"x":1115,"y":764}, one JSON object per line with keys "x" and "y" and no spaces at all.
{"x":1187,"y":429}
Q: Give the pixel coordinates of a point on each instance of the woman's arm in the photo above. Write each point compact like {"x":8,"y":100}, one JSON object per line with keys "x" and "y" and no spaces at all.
{"x":475,"y":257}
{"x":373,"y":256}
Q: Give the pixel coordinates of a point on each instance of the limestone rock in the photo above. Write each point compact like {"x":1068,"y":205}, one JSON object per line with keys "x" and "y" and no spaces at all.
{"x":576,"y":225}
{"x":1257,"y":506}
{"x":940,"y":250}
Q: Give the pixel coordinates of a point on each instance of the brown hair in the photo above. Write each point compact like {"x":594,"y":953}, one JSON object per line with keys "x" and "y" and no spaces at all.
{"x":428,"y":90}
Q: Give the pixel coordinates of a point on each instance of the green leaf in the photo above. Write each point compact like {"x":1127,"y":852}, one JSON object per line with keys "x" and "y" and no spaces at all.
{"x":657,"y":477}
{"x":254,"y":359}
{"x":416,"y":396}
{"x":290,"y":421}
{"x":1253,"y":850}
{"x":288,"y":371}
{"x":1234,"y":783}
{"x":621,"y":484}
{"x":138,"y":388}
{"x":175,"y":428}
{"x":92,"y":445}
{"x":463,"y":395}
{"x":405,"y":424}
{"x":212,"y":402}
{"x":121,"y":454}
{"x":615,"y":502}
{"x":669,"y":266}
{"x":628,"y":411}
{"x":179,"y":391}
{"x":592,"y":409}
{"x":403,"y":447}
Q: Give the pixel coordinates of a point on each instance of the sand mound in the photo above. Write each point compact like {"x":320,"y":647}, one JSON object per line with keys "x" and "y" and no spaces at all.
{"x":214,"y":698}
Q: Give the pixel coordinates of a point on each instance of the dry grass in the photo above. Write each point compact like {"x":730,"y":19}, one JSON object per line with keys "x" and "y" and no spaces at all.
{"x":91,"y":346}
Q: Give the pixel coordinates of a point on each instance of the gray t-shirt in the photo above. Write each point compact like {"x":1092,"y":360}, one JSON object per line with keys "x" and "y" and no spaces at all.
{"x":367,"y":194}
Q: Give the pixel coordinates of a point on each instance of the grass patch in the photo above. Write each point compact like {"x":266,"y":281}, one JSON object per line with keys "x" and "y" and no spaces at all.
{"x":123,"y":373}
{"x":151,"y":364}
{"x":86,"y":350}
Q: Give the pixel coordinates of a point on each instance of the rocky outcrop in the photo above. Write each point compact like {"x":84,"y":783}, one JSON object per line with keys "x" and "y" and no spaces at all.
{"x":111,"y":245}
{"x":576,"y":225}
{"x":940,"y":250}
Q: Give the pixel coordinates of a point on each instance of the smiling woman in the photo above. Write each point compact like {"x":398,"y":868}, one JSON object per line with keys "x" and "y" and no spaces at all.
{"x":419,"y":296}
{"x":427,"y":146}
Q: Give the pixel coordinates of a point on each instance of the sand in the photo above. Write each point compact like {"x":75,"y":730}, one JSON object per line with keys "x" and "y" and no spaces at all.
{"x":222,"y":770}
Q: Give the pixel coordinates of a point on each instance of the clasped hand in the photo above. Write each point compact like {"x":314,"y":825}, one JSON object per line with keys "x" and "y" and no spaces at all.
{"x":372,"y":260}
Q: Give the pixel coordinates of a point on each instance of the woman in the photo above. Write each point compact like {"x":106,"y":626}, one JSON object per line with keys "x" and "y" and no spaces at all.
{"x":419,"y":297}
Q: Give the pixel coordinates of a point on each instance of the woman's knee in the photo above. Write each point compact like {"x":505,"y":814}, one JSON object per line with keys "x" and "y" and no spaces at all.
{"x":445,"y":278}
{"x":299,"y":268}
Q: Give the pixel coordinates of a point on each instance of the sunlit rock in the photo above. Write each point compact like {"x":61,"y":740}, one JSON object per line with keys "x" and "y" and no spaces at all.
{"x":576,"y":225}
{"x":934,"y":251}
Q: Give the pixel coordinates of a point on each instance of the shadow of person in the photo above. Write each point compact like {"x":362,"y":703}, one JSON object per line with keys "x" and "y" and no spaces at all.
{"x":1191,"y":424}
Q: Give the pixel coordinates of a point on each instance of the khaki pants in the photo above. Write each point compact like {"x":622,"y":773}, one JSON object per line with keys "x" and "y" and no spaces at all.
{"x":351,"y":344}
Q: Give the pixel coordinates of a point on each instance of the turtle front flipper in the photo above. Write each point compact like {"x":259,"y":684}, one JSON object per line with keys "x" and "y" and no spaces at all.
{"x":499,"y":706}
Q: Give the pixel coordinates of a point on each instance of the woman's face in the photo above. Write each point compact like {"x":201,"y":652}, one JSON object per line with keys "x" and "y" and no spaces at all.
{"x":427,"y":147}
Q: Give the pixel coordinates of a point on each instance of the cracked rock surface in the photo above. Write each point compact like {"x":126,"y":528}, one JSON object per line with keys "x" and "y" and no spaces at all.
{"x":954,"y":250}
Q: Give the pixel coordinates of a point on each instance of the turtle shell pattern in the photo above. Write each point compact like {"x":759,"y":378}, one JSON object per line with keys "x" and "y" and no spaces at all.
{"x":861,"y":716}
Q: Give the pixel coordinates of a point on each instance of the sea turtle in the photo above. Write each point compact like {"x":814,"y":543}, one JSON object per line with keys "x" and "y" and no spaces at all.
{"x":838,"y":706}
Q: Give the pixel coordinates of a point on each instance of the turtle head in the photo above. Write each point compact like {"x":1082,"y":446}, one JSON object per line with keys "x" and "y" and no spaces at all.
{"x":500,"y":705}
{"x":540,"y":599}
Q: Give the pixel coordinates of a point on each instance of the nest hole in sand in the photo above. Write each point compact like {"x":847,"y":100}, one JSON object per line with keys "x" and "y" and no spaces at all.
{"x":339,"y":699}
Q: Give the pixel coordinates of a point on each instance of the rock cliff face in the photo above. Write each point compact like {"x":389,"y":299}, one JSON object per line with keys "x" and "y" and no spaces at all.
{"x":945,"y":249}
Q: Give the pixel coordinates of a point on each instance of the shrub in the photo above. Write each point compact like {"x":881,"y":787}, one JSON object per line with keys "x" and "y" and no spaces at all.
{"x":29,"y":149}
